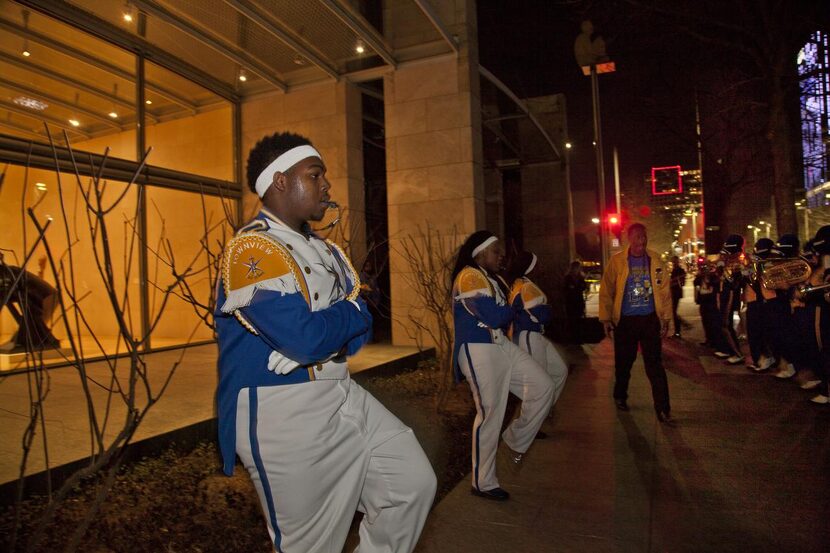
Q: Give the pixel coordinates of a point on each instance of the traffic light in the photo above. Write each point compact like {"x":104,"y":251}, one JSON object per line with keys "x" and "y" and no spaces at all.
{"x":614,"y":221}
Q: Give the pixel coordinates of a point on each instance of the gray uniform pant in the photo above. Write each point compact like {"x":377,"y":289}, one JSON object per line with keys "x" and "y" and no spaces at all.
{"x":319,"y":451}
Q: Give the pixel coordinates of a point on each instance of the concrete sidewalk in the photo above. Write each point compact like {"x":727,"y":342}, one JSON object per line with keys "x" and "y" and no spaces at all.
{"x":747,"y":468}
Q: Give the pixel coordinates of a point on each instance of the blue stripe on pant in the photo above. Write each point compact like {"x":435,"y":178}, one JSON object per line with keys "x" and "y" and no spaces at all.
{"x":483,"y":413}
{"x":263,"y":476}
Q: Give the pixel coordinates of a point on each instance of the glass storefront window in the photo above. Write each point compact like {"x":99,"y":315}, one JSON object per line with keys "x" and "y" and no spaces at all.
{"x":56,"y":74}
{"x":96,"y":330}
{"x":193,"y":128}
{"x":193,"y":227}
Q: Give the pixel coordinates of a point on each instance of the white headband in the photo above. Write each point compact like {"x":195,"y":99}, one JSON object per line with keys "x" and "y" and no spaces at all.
{"x":532,"y":263}
{"x":481,"y":247}
{"x":283,"y":164}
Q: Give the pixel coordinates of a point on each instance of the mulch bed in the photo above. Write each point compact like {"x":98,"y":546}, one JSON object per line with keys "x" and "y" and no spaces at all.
{"x":181,"y":502}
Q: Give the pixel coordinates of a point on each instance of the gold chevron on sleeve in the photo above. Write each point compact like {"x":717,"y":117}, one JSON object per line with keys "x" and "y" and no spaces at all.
{"x":472,"y":280}
{"x":252,"y":258}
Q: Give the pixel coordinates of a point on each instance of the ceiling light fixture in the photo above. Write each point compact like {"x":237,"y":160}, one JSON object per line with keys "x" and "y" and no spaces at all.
{"x":242,"y":75}
{"x":114,"y":114}
{"x":26,"y":53}
{"x":128,"y":13}
{"x":41,"y":186}
{"x":72,"y":121}
{"x":298,"y":60}
{"x":148,"y":102}
{"x":359,"y":47}
{"x":30,"y":103}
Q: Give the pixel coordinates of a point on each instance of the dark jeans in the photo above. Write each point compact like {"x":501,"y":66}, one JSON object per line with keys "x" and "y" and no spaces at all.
{"x":675,"y":299}
{"x":755,"y":330}
{"x":824,"y":334}
{"x":711,"y":323}
{"x":779,"y":329}
{"x":729,"y":303}
{"x":642,"y":330}
{"x":806,"y":321}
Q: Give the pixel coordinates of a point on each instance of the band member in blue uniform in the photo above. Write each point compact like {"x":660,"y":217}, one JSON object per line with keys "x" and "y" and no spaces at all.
{"x":806,"y":316}
{"x":821,"y":243}
{"x":778,"y":315}
{"x":532,"y":314}
{"x":756,"y":295}
{"x":707,"y":286}
{"x":729,"y":301}
{"x":492,"y":365}
{"x":317,"y":446}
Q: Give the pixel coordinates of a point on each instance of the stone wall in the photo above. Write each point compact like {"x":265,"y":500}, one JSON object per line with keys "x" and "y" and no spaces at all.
{"x":433,"y":158}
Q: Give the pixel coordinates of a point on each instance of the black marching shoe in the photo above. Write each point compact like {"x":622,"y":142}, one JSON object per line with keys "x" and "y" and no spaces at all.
{"x":621,"y":404}
{"x":666,"y":418}
{"x":496,"y":494}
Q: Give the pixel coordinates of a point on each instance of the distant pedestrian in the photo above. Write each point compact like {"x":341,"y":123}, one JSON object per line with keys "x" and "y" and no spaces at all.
{"x":678,"y":281}
{"x":635,"y":308}
{"x":575,"y":288}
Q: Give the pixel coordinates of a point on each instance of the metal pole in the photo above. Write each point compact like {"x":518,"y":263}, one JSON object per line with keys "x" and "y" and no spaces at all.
{"x":694,"y":231}
{"x":603,"y":241}
{"x":617,"y":181}
{"x":571,"y":230}
{"x":141,"y":145}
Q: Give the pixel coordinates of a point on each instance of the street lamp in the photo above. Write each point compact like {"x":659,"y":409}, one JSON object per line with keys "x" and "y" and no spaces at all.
{"x":571,"y":229}
{"x":595,"y":220}
{"x":754,"y":230}
{"x":589,"y":51}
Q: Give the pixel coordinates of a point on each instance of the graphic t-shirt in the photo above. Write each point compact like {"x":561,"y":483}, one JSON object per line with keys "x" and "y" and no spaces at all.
{"x":639,"y":294}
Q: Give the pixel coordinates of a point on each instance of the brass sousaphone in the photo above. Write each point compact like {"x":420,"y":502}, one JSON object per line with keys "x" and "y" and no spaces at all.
{"x":781,"y":274}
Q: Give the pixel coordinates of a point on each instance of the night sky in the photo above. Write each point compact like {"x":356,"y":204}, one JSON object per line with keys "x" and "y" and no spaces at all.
{"x":647,"y":105}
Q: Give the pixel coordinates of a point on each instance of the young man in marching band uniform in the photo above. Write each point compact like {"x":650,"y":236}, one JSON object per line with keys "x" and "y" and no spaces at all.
{"x":317,"y":446}
{"x":492,"y":365}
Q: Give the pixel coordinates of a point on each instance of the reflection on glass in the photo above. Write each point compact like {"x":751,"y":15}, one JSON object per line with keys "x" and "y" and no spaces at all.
{"x":193,"y":227}
{"x":69,"y":80}
{"x":74,"y":244}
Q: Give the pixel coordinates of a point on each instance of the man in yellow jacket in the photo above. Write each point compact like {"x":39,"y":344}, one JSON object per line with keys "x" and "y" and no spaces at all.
{"x":635,"y":309}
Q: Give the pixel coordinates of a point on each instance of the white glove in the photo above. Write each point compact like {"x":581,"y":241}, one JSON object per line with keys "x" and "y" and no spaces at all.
{"x":281,"y":364}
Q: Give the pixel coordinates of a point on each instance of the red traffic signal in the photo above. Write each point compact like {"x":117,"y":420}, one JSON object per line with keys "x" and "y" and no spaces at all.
{"x":614,"y":221}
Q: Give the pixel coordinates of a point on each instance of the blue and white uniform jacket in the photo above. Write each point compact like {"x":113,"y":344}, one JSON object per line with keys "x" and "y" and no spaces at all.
{"x":480,"y":311}
{"x":280,"y":309}
{"x":531,"y":307}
